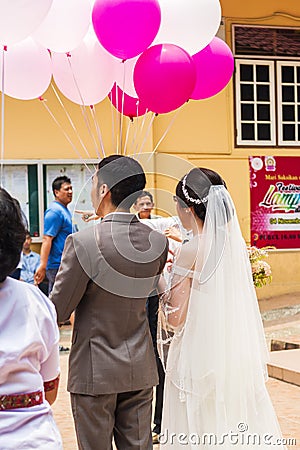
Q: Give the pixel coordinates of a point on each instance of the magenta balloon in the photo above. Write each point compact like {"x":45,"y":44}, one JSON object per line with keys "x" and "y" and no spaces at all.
{"x":125,"y":28}
{"x":132,"y":107}
{"x":164,"y":77}
{"x":214,"y":64}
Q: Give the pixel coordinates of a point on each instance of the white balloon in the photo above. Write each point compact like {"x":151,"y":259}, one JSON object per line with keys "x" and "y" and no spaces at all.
{"x":125,"y":83}
{"x":86,"y":76}
{"x":190,"y":24}
{"x":27,"y":70}
{"x":65,"y":25}
{"x":19,"y":18}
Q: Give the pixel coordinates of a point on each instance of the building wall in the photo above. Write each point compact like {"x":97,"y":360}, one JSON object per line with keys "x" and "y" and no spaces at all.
{"x":204,"y":135}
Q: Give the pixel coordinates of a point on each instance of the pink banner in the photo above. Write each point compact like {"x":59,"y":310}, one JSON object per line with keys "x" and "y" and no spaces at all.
{"x":275,"y":201}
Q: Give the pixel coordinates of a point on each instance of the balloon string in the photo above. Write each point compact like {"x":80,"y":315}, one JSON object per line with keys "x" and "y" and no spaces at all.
{"x":93,"y":112}
{"x":2,"y":119}
{"x":146,"y":136}
{"x":127,"y":134}
{"x":139,"y":133}
{"x":82,"y":106}
{"x":122,"y":106}
{"x":164,"y":135}
{"x":64,"y":132}
{"x":135,"y":132}
{"x":70,"y":120}
{"x":137,"y":122}
{"x":117,"y":119}
{"x":112,"y":111}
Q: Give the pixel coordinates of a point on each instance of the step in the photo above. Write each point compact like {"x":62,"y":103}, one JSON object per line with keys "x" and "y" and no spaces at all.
{"x":292,"y":342}
{"x":285,"y":365}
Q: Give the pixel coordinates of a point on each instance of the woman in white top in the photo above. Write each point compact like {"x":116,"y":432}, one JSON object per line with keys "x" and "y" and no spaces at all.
{"x":29,"y":353}
{"x":215,"y":393}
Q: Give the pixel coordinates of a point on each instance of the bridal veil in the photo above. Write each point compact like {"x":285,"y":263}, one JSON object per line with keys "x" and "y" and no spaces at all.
{"x":216,"y":360}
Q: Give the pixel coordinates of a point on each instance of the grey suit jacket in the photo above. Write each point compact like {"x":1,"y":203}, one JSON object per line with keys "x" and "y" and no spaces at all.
{"x":106,"y":274}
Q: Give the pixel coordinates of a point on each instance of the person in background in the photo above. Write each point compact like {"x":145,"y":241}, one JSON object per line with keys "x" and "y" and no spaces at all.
{"x":29,"y":357}
{"x":144,"y":205}
{"x":57,"y":227}
{"x":30,"y":261}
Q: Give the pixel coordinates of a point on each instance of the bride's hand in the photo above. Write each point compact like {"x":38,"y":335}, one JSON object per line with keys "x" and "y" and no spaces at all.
{"x":173,"y":233}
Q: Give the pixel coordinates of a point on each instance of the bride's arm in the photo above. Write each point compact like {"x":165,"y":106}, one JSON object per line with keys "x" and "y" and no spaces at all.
{"x":178,"y":300}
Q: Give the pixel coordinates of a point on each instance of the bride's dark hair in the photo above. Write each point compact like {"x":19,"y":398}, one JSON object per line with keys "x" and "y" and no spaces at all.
{"x":194,"y":187}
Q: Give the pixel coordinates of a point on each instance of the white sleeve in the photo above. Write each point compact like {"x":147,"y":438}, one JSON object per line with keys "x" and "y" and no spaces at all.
{"x":50,"y":368}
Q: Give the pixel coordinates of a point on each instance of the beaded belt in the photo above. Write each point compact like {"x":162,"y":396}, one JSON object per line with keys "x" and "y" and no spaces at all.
{"x":20,"y":400}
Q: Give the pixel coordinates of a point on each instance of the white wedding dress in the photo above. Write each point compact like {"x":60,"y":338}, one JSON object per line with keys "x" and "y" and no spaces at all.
{"x":215,"y":392}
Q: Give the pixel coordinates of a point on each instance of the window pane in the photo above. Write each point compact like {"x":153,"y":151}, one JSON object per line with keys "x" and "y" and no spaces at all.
{"x":264,"y":132}
{"x":298,"y":94}
{"x":288,"y":94}
{"x":263,"y":92}
{"x":263,"y":112}
{"x":247,"y":92}
{"x":298,"y":74}
{"x":248,"y":131}
{"x":289,"y":132}
{"x":247,"y":112}
{"x":288,"y":113}
{"x":287,"y":74}
{"x":298,"y":113}
{"x":298,"y":132}
{"x":262,"y":73}
{"x":246,"y":72}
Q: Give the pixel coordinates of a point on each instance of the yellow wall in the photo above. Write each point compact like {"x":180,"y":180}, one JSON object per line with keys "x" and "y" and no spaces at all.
{"x":202,"y":135}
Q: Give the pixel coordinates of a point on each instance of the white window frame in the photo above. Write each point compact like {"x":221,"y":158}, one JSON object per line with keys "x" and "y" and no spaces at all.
{"x":255,"y":142}
{"x":281,"y":142}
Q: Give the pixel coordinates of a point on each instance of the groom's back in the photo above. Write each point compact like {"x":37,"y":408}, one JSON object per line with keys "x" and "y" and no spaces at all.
{"x":113,"y":345}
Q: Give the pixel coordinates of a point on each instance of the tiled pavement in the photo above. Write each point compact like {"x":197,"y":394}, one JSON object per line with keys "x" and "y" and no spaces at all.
{"x":285,"y":396}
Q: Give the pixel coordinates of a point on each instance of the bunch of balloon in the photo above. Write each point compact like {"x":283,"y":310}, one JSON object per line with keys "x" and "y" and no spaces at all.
{"x":168,"y":51}
{"x":146,"y":55}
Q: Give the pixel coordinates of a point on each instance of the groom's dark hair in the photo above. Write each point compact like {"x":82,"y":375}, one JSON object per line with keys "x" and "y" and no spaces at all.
{"x":124,"y":177}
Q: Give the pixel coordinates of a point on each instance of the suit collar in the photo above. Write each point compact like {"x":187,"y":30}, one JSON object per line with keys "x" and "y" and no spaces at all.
{"x":120,"y":217}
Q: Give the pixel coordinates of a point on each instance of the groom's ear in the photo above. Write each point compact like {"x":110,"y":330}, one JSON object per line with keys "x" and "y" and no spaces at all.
{"x":104,"y":189}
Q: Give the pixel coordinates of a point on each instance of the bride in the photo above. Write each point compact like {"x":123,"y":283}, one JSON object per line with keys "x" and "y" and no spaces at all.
{"x":211,"y":331}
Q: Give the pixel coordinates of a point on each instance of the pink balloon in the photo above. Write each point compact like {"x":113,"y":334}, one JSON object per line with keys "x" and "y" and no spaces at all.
{"x":27,"y":70}
{"x":126,"y":28}
{"x":214,"y":64}
{"x":132,"y":107}
{"x":164,"y":77}
{"x":85,"y":76}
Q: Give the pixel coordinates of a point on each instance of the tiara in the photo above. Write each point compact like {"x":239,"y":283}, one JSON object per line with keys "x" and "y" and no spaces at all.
{"x":198,"y":201}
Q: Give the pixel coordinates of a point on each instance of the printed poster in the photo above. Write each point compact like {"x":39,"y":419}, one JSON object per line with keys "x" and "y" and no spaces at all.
{"x":275,"y":201}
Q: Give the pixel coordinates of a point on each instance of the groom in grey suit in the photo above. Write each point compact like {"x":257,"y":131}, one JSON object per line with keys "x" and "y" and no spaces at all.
{"x":106,"y":274}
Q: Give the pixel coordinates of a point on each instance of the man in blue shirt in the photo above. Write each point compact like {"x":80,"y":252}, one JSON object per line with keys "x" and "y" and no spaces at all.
{"x":57,"y":226}
{"x":30,"y":261}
